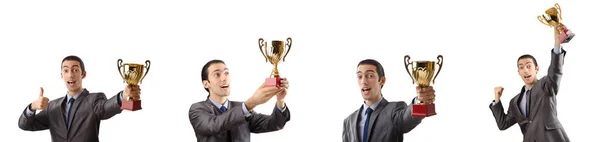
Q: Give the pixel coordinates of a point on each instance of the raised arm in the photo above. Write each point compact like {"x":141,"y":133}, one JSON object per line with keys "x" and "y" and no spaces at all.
{"x":260,"y":123}
{"x":207,"y":124}
{"x":104,"y":108}
{"x":30,"y":121}
{"x":504,"y":121}
{"x":552,"y":83}
{"x":403,"y":117}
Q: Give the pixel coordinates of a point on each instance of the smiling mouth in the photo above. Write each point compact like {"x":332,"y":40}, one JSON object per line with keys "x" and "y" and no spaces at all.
{"x":366,"y":89}
{"x":527,"y":76}
{"x":225,"y":86}
{"x":70,"y":82}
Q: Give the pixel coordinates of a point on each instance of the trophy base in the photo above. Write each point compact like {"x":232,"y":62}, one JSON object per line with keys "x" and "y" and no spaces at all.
{"x":566,"y":36}
{"x":423,"y":110}
{"x":272,"y":82}
{"x":131,"y":105}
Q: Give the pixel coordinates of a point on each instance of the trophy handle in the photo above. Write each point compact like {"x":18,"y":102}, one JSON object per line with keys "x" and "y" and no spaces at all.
{"x":119,"y":66}
{"x":543,"y":20}
{"x":439,"y":62}
{"x":147,"y":66}
{"x":261,"y":44}
{"x":559,"y":10}
{"x":288,"y":44}
{"x":406,"y":63}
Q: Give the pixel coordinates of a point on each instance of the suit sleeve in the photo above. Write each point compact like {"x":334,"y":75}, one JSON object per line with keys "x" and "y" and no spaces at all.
{"x":554,"y":76}
{"x":260,"y":123}
{"x":104,"y":108}
{"x":206,"y":123}
{"x":34,"y":122}
{"x":345,"y":137}
{"x":504,"y":121}
{"x":403,"y":118}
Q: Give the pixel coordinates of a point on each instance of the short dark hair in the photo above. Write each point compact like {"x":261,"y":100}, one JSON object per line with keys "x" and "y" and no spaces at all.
{"x":528,"y":56}
{"x":205,"y":69}
{"x":378,"y":67}
{"x":74,"y":58}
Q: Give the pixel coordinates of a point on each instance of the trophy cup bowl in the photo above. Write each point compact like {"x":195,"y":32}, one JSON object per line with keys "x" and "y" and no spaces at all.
{"x":552,"y":17}
{"x":424,"y":74}
{"x":274,"y":55}
{"x":132,"y":74}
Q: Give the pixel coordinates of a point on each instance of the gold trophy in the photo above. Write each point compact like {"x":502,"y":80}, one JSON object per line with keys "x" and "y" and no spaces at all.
{"x":422,"y":74}
{"x":278,"y":51}
{"x":552,"y":18}
{"x":132,"y":74}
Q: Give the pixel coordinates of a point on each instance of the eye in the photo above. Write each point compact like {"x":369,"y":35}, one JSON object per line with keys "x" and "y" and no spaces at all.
{"x":359,"y":76}
{"x":370,"y":76}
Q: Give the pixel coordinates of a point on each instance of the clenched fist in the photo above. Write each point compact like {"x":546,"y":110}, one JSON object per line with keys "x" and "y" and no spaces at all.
{"x":498,"y":93}
{"x":41,"y":103}
{"x":132,"y":92}
{"x":426,"y":94}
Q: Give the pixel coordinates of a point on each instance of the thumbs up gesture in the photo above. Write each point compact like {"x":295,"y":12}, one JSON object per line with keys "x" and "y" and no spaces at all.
{"x":41,"y":102}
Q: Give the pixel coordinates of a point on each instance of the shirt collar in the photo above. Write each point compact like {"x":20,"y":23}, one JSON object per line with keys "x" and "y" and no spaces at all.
{"x":219,"y":105}
{"x":74,"y":97}
{"x":373,"y":106}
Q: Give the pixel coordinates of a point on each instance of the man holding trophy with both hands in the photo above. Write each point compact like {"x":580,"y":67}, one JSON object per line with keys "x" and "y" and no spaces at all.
{"x":534,"y":108}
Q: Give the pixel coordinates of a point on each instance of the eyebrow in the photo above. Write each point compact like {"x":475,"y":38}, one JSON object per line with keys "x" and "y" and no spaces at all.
{"x":525,"y":63}
{"x":72,"y":66}
{"x":366,"y":71}
{"x":226,"y":69}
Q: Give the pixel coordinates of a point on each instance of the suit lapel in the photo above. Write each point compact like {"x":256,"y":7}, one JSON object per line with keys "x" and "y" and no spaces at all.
{"x":374,"y":116}
{"x":354,"y":124}
{"x":75,"y":107}
{"x":535,"y":97}
{"x":63,"y":105}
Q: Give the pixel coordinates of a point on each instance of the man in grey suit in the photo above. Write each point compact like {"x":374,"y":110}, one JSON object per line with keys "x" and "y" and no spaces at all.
{"x":219,"y":120}
{"x":76,"y":116}
{"x":378,"y":120}
{"x":534,"y":108}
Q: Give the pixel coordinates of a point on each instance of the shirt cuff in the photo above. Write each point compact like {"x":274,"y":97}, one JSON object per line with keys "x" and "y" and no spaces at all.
{"x":557,"y":49}
{"x":28,"y":111}
{"x":284,"y":108}
{"x":245,"y":110}
{"x":494,"y":103}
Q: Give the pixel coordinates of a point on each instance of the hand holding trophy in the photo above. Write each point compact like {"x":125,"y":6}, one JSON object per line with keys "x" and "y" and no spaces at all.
{"x":132,"y":74}
{"x":276,"y":53}
{"x":423,"y":74}
{"x":553,"y":18}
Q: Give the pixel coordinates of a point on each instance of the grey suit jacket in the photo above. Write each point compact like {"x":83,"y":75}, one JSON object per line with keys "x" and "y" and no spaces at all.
{"x":542,"y":124}
{"x":86,"y":113}
{"x":212,"y":125}
{"x":388,"y":123}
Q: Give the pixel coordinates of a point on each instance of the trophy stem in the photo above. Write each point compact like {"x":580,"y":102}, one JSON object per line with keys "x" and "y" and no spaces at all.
{"x":275,"y":72}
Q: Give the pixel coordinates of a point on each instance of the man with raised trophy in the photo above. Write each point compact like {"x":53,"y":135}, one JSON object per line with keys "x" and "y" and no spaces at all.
{"x":77,"y":115}
{"x":217,"y":119}
{"x":534,"y":107}
{"x":378,"y":120}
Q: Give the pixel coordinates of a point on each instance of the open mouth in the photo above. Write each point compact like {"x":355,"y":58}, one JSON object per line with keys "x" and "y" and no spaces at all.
{"x":527,"y":76}
{"x":224,"y":86}
{"x":71,"y":82}
{"x":365,"y":90}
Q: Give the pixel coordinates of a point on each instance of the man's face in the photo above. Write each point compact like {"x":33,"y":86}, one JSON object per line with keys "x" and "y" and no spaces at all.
{"x":368,"y":82}
{"x":72,"y":75}
{"x":218,"y":80}
{"x":528,"y":70}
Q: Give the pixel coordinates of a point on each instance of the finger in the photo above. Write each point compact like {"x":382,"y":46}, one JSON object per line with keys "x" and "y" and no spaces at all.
{"x":41,"y":92}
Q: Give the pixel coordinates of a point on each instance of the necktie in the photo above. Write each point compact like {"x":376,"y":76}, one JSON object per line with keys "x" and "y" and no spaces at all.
{"x":223,"y":109}
{"x":366,"y":128}
{"x":70,"y":104}
{"x":528,"y":95}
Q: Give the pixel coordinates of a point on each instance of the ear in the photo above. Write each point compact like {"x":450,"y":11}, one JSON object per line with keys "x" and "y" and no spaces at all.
{"x":205,"y":83}
{"x":84,"y":75}
{"x":537,"y":68}
{"x":382,"y":80}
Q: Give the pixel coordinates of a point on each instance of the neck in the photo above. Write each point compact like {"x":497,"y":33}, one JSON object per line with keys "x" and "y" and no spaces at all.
{"x":219,"y":99}
{"x":73,"y":93}
{"x":530,"y":85}
{"x":373,"y":100}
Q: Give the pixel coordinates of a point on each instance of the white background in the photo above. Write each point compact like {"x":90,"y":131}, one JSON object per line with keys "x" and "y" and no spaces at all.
{"x":480,"y":41}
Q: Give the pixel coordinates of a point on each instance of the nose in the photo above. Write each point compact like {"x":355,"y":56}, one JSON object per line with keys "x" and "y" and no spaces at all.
{"x":363,"y":81}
